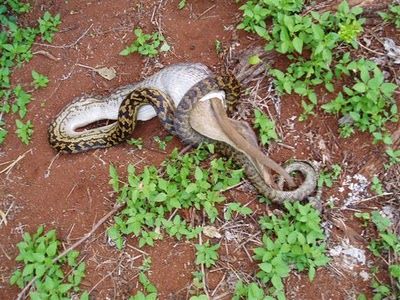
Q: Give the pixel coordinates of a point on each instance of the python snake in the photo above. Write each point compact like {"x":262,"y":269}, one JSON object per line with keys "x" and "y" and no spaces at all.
{"x":171,"y":93}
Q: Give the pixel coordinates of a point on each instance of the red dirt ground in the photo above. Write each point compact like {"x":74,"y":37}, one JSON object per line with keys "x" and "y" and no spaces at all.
{"x":71,"y":192}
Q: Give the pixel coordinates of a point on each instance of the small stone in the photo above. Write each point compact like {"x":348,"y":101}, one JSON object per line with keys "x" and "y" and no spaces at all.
{"x":364,"y":275}
{"x":211,"y":232}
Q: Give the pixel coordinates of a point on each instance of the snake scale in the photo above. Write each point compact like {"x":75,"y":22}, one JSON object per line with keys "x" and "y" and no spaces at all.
{"x":170,"y":94}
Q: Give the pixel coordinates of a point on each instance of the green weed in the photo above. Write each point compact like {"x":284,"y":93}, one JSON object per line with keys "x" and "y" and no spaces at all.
{"x":254,"y":60}
{"x":39,"y":80}
{"x":388,"y":240}
{"x":218,"y":46}
{"x":22,"y":99}
{"x":150,"y":196}
{"x":178,"y":228}
{"x":48,"y":26}
{"x":24,"y":131}
{"x":138,"y":143}
{"x":237,"y":208}
{"x":3,"y":132}
{"x":182,"y":4}
{"x":394,"y":157}
{"x":393,"y":15}
{"x":369,"y":102}
{"x":53,"y":279}
{"x":294,"y":240}
{"x":376,"y":186}
{"x":387,"y":244}
{"x":146,"y":44}
{"x":149,"y":288}
{"x":248,"y":291}
{"x":206,"y":254}
{"x":327,"y":178}
{"x":162,"y":143}
{"x":266,"y":126}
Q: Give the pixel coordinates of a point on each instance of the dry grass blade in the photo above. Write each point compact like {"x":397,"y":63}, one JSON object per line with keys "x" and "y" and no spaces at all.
{"x":8,"y":169}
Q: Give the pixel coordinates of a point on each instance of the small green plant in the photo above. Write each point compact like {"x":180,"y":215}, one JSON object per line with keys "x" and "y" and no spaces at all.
{"x":376,"y":186}
{"x":39,"y":80}
{"x":266,"y":127}
{"x":364,"y":216}
{"x":292,"y":240}
{"x":182,"y":4}
{"x":150,"y":289}
{"x":17,"y":6}
{"x":248,"y":291}
{"x":388,"y":240}
{"x":3,"y":133}
{"x":235,"y":207}
{"x":369,"y":102}
{"x":387,"y":247}
{"x":254,"y":60}
{"x":138,"y":143}
{"x":22,"y":99}
{"x":327,"y":178}
{"x":393,"y":15}
{"x":178,"y":228}
{"x":381,"y":291}
{"x":162,"y":143}
{"x":146,"y":44}
{"x":206,"y":254}
{"x":197,"y":283}
{"x":349,"y":32}
{"x":24,"y":131}
{"x":146,"y":264}
{"x":218,"y":46}
{"x":148,"y":237}
{"x":48,"y":26}
{"x":38,"y":253}
{"x":394,"y":157}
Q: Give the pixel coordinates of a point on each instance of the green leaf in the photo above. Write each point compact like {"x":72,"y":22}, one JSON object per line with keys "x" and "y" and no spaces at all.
{"x":360,"y":87}
{"x":254,"y":60}
{"x":52,"y":249}
{"x":313,"y":98}
{"x":388,"y":88}
{"x":198,"y":174}
{"x":298,"y":44}
{"x":311,"y":273}
{"x":28,"y":270}
{"x":266,"y":267}
{"x":277,"y":282}
{"x":192,"y":187}
{"x":261,"y":31}
{"x":165,"y":47}
{"x":361,"y":297}
{"x":84,"y":296}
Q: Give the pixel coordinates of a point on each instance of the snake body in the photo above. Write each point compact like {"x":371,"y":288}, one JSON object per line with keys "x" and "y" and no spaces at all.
{"x":173,"y":82}
{"x":171,"y":94}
